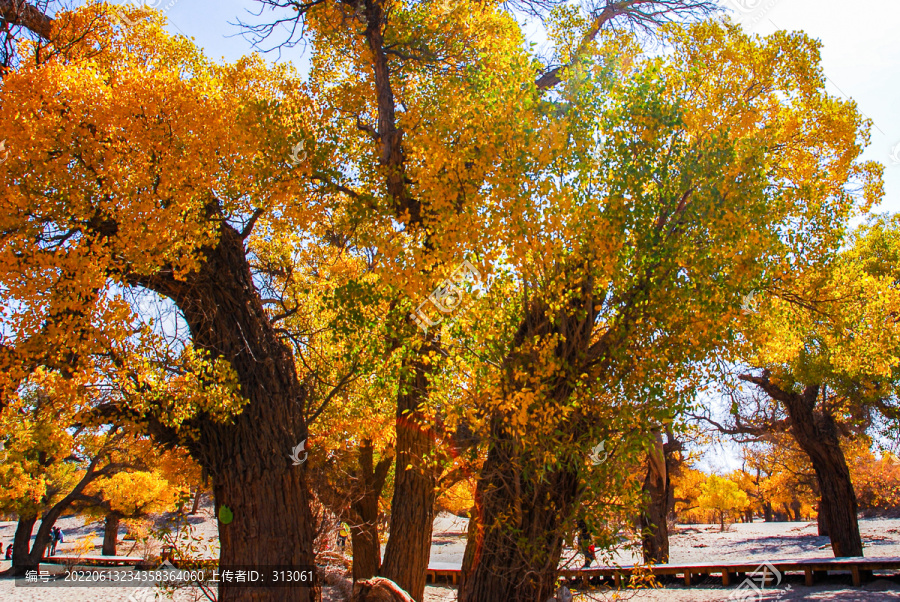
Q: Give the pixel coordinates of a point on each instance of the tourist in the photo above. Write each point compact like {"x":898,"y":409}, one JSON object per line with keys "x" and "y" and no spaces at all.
{"x":56,"y":538}
{"x":342,"y":535}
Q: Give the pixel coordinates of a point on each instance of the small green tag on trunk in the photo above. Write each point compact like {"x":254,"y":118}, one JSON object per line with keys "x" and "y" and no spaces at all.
{"x":225,"y":515}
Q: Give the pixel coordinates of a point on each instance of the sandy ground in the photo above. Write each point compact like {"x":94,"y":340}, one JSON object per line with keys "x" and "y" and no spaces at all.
{"x":757,"y":542}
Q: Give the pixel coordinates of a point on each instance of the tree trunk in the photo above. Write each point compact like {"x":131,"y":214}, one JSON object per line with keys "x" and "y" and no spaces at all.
{"x":366,"y":551}
{"x":408,"y":548}
{"x":474,"y":539}
{"x":248,"y":457}
{"x":820,"y":519}
{"x":817,"y":435}
{"x":196,"y":505}
{"x":523,"y":517}
{"x":364,"y":529}
{"x":796,"y":506}
{"x":25,"y":559}
{"x":22,"y":560}
{"x":654,"y":529}
{"x":110,"y":534}
{"x":767,"y":512}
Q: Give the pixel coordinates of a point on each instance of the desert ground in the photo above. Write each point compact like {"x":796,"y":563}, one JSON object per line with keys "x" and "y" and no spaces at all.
{"x":754,"y":542}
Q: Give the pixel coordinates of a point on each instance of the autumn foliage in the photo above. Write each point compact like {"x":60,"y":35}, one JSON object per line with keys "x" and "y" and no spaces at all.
{"x":230,"y":260}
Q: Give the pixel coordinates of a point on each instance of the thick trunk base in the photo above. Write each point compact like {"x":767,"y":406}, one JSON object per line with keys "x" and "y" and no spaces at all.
{"x":366,"y":551}
{"x":521,"y":542}
{"x":23,"y":559}
{"x":271,"y":526}
{"x":110,"y":535}
{"x":654,"y":529}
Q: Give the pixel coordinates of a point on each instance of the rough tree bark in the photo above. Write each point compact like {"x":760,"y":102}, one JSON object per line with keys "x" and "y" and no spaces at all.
{"x":247,"y":458}
{"x":654,"y":529}
{"x":24,"y":14}
{"x":816,"y":433}
{"x":522,"y":509}
{"x":408,"y":548}
{"x":522,"y":535}
{"x":820,"y":518}
{"x":23,"y":559}
{"x":364,"y":525}
{"x":110,"y":534}
{"x":474,"y":541}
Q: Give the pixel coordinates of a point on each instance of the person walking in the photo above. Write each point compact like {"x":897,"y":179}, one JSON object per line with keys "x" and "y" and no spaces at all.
{"x":9,"y":550}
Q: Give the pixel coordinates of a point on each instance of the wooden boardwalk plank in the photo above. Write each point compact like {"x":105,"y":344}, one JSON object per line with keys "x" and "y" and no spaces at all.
{"x":808,"y":566}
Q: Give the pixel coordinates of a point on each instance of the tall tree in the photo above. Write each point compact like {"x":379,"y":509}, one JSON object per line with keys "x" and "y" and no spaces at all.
{"x":160,"y":171}
{"x":636,"y":254}
{"x":432,"y":92}
{"x":824,"y":352}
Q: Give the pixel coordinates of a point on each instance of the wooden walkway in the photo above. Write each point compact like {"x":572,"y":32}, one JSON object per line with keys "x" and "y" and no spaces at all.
{"x":94,"y":560}
{"x":731,"y":572}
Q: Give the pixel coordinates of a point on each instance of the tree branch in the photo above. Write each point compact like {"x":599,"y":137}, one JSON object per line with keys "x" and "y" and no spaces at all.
{"x":644,"y":15}
{"x":23,"y":14}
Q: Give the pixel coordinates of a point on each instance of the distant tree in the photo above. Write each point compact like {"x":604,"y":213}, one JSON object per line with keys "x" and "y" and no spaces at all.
{"x":875,"y":480}
{"x":723,"y":496}
{"x":777,"y":475}
{"x":51,"y":457}
{"x":686,"y":488}
{"x":822,"y":358}
{"x":163,"y":485}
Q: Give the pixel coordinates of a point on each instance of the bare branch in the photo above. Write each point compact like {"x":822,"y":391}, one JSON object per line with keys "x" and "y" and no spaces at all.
{"x":640,"y":15}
